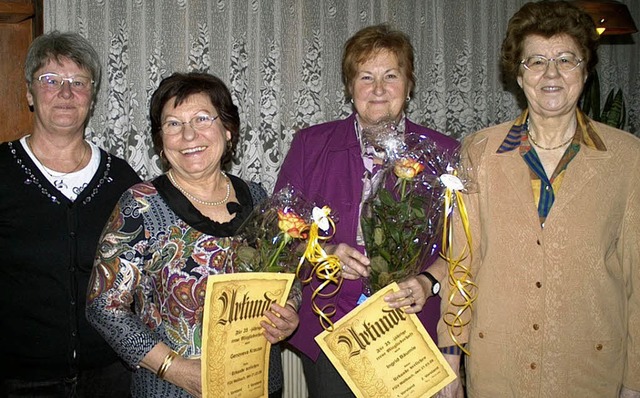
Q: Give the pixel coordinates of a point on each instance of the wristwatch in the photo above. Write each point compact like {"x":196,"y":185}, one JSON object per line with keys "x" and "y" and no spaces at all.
{"x":435,"y":285}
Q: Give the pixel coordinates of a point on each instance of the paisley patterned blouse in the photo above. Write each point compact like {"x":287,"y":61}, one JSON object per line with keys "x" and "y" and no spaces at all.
{"x":150,"y":275}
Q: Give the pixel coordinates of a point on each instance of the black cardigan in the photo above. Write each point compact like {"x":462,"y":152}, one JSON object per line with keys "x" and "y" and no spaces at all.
{"x":47,"y":248}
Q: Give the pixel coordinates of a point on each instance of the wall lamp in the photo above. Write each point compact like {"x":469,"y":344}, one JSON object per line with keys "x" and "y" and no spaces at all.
{"x":610,"y":17}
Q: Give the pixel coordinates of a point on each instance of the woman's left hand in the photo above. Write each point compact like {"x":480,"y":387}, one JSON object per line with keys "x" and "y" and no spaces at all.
{"x":412,"y":295}
{"x":354,"y":264}
{"x":281,"y":322}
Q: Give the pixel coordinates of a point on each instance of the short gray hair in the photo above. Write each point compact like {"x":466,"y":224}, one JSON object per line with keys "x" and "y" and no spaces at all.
{"x":56,"y":45}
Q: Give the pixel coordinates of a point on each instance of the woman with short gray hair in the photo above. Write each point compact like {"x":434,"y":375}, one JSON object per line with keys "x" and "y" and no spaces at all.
{"x":56,"y":194}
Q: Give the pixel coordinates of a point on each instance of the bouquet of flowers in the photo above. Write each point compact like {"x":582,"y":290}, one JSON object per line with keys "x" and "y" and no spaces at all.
{"x":271,"y":240}
{"x":402,"y":218}
{"x":271,"y":235}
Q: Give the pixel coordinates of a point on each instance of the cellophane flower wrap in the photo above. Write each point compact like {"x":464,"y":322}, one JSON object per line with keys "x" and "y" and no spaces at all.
{"x":270,"y":237}
{"x":402,"y":219}
{"x":285,"y":234}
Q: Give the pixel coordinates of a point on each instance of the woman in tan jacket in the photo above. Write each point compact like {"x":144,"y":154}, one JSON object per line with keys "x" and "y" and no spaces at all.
{"x":555,"y":225}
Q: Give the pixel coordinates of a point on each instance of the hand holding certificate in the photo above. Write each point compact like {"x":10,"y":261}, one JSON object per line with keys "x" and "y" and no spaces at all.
{"x":383,"y":352}
{"x":235,"y":352}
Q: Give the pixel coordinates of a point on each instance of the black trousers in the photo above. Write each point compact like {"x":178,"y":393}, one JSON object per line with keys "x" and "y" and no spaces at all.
{"x":112,"y":381}
{"x":323,"y":380}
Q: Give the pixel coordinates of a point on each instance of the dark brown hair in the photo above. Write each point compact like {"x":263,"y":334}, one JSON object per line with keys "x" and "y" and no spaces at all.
{"x":367,"y":43}
{"x":180,"y":86}
{"x":547,"y":19}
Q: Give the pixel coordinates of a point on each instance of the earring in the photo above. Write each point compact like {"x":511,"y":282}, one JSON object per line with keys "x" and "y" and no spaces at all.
{"x":408,"y":98}
{"x":351,"y":100}
{"x":162,"y":154}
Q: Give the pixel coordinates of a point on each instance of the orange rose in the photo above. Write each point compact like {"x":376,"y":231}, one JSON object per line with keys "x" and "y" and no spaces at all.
{"x":292,"y":224}
{"x":407,"y":168}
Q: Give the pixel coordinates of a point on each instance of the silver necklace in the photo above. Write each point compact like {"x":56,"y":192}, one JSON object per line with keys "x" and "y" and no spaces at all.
{"x":200,"y":201}
{"x":58,"y":179}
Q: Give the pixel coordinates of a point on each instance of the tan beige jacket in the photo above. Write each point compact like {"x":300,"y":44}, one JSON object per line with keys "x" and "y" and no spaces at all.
{"x":558,"y":309}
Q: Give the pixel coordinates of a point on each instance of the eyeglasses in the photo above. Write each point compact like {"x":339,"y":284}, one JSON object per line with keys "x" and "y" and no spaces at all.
{"x":198,"y":123}
{"x":54,"y":82}
{"x":564,"y":63}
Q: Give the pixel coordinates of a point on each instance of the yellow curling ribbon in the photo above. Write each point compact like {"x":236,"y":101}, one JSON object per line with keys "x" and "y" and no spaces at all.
{"x":326,"y":268}
{"x":459,"y":275}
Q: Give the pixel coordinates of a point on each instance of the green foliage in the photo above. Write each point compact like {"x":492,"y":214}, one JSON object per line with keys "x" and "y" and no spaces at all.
{"x":614,"y":111}
{"x":268,"y":238}
{"x":591,"y":97}
{"x":263,"y":245}
{"x":398,"y":231}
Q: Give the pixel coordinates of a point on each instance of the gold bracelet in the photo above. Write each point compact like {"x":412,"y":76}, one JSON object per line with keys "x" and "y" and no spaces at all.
{"x":166,"y":363}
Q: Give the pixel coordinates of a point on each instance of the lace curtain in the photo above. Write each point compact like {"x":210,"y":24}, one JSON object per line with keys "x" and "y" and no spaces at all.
{"x":281,"y":60}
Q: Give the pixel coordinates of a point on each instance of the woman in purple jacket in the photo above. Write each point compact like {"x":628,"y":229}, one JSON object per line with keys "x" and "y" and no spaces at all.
{"x":327,"y":164}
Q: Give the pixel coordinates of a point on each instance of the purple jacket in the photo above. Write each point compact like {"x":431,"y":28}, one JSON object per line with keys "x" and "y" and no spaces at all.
{"x":324,"y":163}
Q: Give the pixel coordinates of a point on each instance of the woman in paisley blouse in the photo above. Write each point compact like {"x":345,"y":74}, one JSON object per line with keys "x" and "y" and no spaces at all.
{"x":167,"y":235}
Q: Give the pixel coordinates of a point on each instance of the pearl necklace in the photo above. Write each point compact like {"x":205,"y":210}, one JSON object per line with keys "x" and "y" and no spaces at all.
{"x":200,"y":201}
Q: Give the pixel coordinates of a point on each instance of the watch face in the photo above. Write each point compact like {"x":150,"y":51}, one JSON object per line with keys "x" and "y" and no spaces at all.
{"x":435,"y":289}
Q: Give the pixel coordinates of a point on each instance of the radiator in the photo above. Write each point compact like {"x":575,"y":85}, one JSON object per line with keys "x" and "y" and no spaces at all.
{"x":294,"y":384}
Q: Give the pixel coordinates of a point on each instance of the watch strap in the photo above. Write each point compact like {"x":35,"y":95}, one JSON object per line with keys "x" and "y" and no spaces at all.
{"x":433,"y":280}
{"x":451,"y":350}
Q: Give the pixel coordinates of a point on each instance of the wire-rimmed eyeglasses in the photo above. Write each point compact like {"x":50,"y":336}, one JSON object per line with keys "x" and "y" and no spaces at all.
{"x":198,"y":123}
{"x":564,"y":62}
{"x":54,"y":82}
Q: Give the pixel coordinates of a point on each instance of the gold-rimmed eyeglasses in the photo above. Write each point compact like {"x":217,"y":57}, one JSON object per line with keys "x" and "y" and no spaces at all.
{"x":54,"y":82}
{"x":198,"y":123}
{"x":564,"y":62}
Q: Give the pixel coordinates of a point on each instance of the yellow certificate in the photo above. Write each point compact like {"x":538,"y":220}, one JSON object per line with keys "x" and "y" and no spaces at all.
{"x":383,"y":352}
{"x":235,"y":353}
